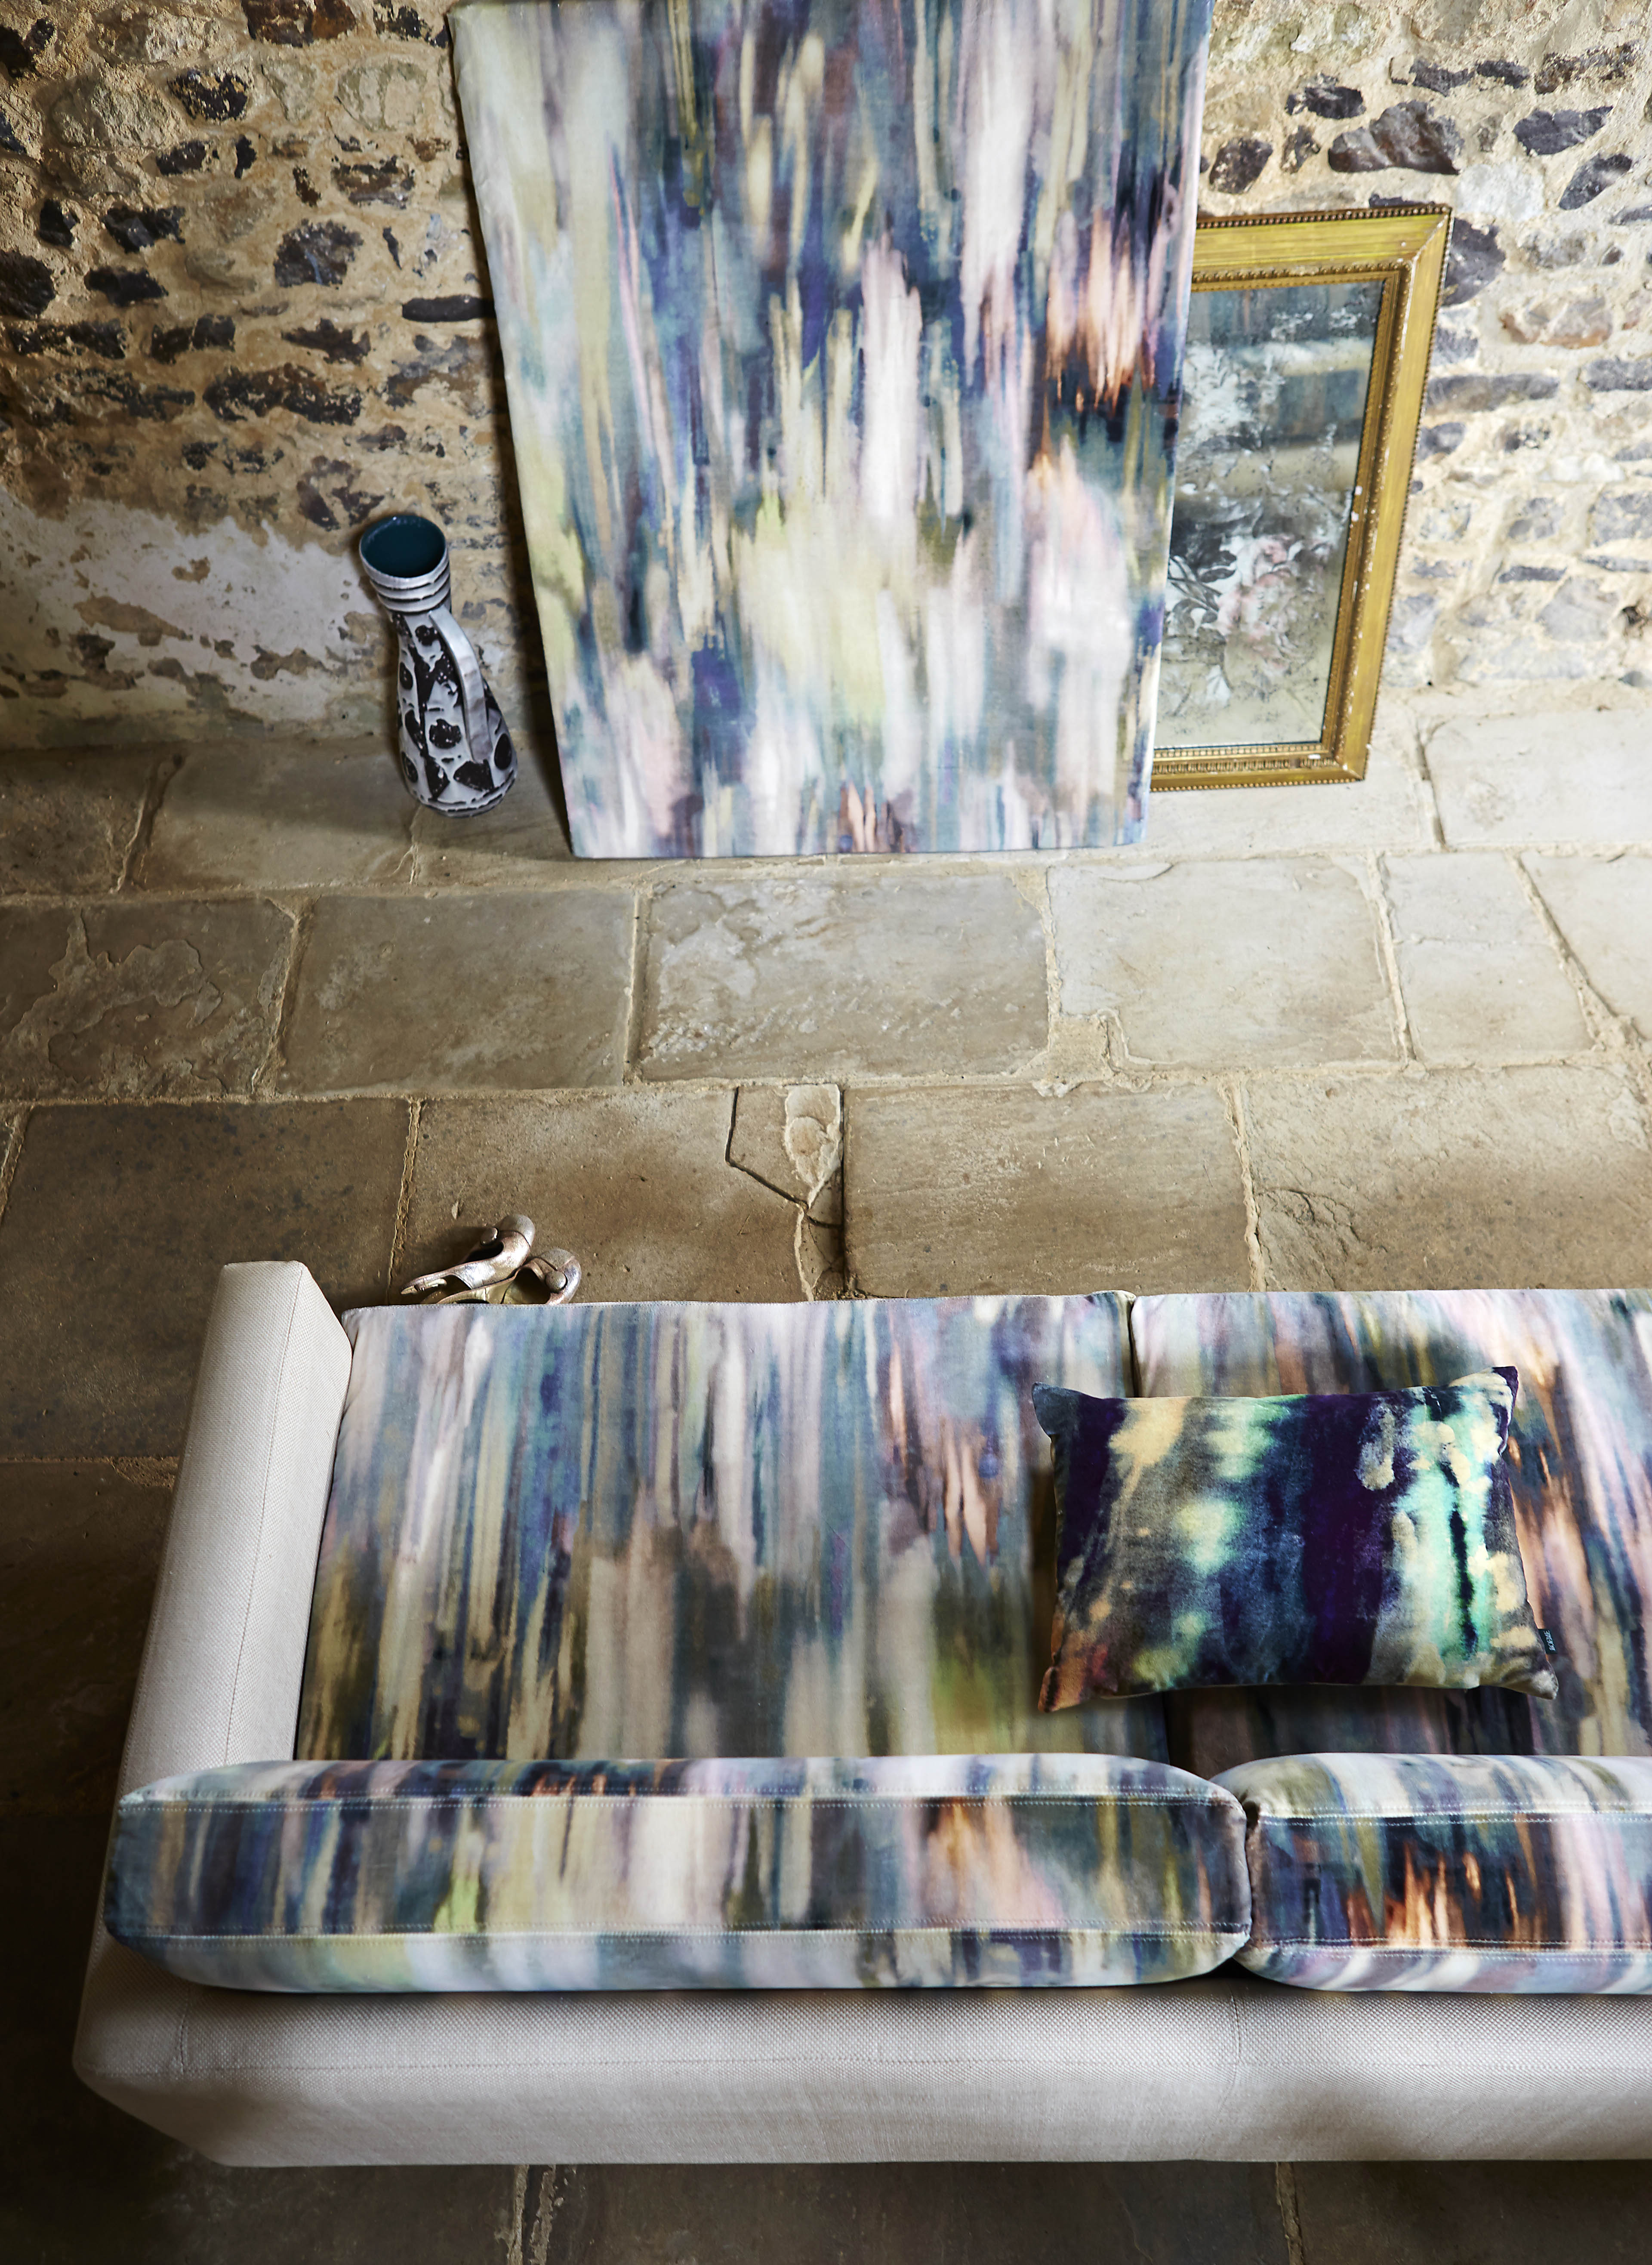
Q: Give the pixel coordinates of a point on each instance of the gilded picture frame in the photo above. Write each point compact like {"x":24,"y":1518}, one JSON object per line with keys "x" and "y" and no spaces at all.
{"x":1401,"y":248}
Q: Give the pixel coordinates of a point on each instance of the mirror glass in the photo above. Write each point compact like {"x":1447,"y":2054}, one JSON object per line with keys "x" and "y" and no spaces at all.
{"x":1274,"y":388}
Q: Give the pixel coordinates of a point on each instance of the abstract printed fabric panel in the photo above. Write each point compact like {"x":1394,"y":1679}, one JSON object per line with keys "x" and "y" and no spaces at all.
{"x":1330,"y":1538}
{"x":1417,"y":1872}
{"x":590,"y":1532}
{"x":1580,"y":1470}
{"x":843,"y":341}
{"x":1018,"y":1870}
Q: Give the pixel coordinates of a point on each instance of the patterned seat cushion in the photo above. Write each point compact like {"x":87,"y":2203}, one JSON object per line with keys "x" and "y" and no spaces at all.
{"x":1580,"y":1465}
{"x":646,"y":1531}
{"x":1005,"y":1869}
{"x":1424,"y":1872}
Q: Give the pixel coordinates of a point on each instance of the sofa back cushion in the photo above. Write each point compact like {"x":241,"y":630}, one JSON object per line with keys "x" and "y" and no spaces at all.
{"x":1434,"y":1872}
{"x":1019,"y":1869}
{"x":690,"y":1529}
{"x":1580,"y":1469}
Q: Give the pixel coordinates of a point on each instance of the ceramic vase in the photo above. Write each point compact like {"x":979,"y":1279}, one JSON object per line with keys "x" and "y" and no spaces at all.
{"x":456,"y":751}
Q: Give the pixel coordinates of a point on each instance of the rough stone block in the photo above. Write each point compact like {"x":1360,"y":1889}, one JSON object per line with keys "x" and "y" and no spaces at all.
{"x":1620,"y":374}
{"x":291,"y":816}
{"x":638,"y":1186}
{"x":1627,"y":515}
{"x":1238,"y":164}
{"x":1475,"y":259}
{"x":791,"y":1138}
{"x":400,"y":993}
{"x":827,"y":974}
{"x":132,"y":1000}
{"x":1568,"y":776}
{"x":1207,"y":966}
{"x":66,"y":821}
{"x":1473,"y":396}
{"x":116,"y":1225}
{"x":1603,"y":909}
{"x":951,"y":1189}
{"x":1452,"y":1179}
{"x":1481,"y":979}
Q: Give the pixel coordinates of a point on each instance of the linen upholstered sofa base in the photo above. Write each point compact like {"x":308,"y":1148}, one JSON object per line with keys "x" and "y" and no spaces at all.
{"x":1220,"y":2068}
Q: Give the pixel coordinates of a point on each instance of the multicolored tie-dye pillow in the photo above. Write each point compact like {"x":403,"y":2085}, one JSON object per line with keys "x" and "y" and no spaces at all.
{"x":1334,"y":1538}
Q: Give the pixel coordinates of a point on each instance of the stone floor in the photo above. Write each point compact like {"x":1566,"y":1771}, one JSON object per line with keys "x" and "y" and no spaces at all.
{"x":253,"y":1004}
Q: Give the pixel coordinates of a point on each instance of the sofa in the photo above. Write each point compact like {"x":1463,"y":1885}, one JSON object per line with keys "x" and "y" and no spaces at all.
{"x":825,"y":1532}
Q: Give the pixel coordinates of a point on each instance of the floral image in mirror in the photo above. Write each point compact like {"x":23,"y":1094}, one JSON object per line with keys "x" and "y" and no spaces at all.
{"x":1277,"y":380}
{"x":1308,"y":353}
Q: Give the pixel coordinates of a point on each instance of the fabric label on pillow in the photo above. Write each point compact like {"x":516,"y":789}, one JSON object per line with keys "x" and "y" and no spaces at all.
{"x":1336,"y":1538}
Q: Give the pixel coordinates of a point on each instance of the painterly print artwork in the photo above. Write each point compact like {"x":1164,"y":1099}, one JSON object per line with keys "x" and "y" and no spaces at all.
{"x":1324,"y":1538}
{"x":1417,"y":1872}
{"x":1580,"y":1471}
{"x":641,"y":1532}
{"x":1009,"y":1869}
{"x":843,"y":342}
{"x":1276,"y":382}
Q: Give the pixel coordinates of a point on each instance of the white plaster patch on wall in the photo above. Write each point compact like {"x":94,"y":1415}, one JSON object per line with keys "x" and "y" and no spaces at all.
{"x":1500,"y":192}
{"x":239,"y":293}
{"x":116,"y":624}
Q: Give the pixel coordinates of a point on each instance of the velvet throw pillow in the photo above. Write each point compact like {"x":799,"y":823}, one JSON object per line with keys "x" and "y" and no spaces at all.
{"x":1325,"y":1538}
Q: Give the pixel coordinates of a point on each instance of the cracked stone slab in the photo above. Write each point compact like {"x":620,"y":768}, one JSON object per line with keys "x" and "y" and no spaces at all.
{"x":80,"y":1544}
{"x":953,"y":1190}
{"x":823,"y":973}
{"x":1210,"y":965}
{"x":1452,"y":1179}
{"x":1544,"y":780}
{"x":292,"y":816}
{"x":638,"y":1184}
{"x":791,"y":1138}
{"x":519,"y":991}
{"x":1603,"y":906}
{"x":66,"y":821}
{"x":1481,"y":979}
{"x":135,"y":1001}
{"x":118,"y":1221}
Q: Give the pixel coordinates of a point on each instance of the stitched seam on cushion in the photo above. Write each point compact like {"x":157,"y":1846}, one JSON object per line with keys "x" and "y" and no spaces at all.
{"x":699,"y":1933}
{"x":264,"y":1509}
{"x":1489,"y":1946}
{"x":253,"y":1807}
{"x":1511,"y":1815}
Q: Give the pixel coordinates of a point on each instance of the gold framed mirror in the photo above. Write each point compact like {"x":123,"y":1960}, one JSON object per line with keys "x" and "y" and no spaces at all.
{"x":1308,"y":356}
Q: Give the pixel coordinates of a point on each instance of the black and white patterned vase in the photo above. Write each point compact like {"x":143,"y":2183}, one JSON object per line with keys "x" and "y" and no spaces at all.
{"x":456,"y":751}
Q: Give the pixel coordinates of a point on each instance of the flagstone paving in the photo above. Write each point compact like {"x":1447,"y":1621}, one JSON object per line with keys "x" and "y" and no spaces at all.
{"x":253,"y":1004}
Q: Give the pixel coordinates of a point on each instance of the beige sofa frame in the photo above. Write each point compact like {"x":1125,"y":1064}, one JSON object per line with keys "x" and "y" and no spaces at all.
{"x":1224,"y":2067}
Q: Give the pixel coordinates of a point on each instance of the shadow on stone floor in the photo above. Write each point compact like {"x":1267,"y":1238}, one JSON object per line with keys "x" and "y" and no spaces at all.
{"x":81,"y":2181}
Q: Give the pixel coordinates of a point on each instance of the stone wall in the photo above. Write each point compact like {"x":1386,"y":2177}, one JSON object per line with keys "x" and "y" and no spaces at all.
{"x":245,"y":310}
{"x":1528,"y":550}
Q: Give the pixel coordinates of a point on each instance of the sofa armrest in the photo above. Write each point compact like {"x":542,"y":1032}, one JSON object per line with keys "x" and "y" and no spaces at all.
{"x":224,"y":1657}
